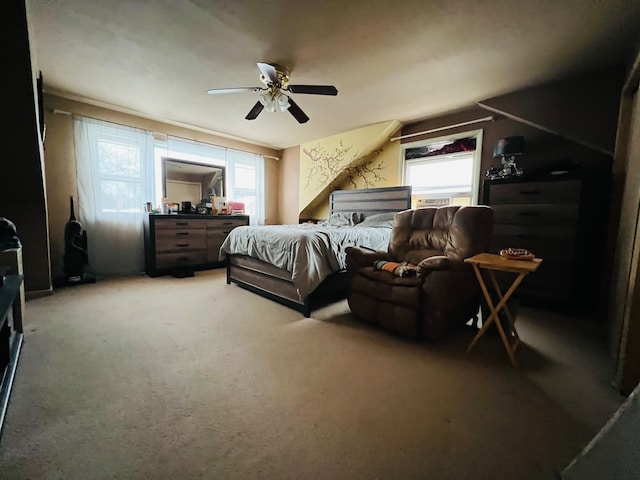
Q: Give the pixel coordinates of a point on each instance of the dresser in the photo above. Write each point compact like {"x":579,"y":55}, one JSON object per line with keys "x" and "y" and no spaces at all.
{"x":561,"y":219}
{"x":175,"y":243}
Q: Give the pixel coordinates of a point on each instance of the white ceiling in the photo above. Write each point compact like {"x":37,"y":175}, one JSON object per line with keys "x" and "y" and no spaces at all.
{"x":389,"y":59}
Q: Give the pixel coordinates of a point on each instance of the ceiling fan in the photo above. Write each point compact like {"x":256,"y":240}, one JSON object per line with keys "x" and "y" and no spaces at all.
{"x":276,"y":80}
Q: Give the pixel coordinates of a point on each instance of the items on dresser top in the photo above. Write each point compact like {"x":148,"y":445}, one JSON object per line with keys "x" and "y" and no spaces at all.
{"x":184,"y":243}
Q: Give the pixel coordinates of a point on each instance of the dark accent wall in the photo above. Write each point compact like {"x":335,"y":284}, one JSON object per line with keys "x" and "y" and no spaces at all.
{"x":22,"y":189}
{"x":583,"y":109}
{"x":572,"y":121}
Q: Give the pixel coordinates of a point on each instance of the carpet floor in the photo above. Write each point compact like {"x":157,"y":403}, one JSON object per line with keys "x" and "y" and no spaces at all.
{"x":165,"y":378}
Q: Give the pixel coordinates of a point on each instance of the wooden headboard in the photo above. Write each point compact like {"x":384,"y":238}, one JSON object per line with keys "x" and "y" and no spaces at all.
{"x":371,"y":200}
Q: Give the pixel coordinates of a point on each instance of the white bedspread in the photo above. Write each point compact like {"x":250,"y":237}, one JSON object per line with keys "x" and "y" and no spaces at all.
{"x":310,"y":252}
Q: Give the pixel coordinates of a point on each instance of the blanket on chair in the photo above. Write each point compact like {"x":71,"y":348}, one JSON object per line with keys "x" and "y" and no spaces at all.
{"x":399,"y":269}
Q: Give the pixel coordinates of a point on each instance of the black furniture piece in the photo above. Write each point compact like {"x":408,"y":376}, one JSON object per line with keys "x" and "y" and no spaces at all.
{"x":10,"y":337}
{"x":560,"y":217}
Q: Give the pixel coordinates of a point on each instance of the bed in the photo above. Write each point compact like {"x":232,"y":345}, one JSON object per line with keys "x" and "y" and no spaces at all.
{"x":305,"y":266}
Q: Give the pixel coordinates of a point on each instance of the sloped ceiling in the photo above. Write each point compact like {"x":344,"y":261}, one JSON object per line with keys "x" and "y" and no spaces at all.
{"x":585,"y":111}
{"x":389,"y":60}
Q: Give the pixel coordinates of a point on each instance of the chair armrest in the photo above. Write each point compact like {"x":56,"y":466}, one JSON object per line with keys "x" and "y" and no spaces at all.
{"x":432,"y":264}
{"x":358,"y":257}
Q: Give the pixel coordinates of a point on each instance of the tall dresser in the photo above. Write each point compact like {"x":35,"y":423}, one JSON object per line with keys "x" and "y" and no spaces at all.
{"x":175,"y":243}
{"x":562,"y":219}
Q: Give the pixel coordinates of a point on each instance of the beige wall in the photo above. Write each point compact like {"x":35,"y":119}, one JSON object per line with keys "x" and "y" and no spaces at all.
{"x":288,"y":195}
{"x":271,"y":189}
{"x":60,"y":164}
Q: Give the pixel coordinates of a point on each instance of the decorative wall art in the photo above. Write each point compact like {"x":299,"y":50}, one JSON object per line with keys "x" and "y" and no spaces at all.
{"x":355,"y":159}
{"x":341,"y":166}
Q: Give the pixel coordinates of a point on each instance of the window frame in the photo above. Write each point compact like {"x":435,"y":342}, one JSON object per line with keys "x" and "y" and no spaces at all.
{"x":139,"y":181}
{"x":477,"y":158}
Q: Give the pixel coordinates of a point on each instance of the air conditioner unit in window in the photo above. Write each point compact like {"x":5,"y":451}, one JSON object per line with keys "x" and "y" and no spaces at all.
{"x":432,"y":201}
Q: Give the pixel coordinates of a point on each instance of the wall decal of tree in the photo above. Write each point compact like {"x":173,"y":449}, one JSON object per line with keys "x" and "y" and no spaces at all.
{"x":329,"y":169}
{"x":370,"y":174}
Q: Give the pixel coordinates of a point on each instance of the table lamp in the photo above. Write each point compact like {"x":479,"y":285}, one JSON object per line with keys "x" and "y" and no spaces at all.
{"x":507,"y":149}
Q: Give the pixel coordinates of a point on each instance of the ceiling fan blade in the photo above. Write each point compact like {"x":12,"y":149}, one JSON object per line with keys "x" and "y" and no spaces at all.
{"x":215,"y":91}
{"x":297,"y":112}
{"x":255,"y":111}
{"x":269,"y":72}
{"x":313,"y":89}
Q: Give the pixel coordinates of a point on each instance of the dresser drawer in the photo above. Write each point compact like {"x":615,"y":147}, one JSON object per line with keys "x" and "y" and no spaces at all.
{"x":226,"y":223}
{"x":213,"y":252}
{"x":181,"y":243}
{"x":544,"y":233}
{"x":536,"y":214}
{"x":179,"y":223}
{"x":214,"y":242}
{"x":180,"y":234}
{"x":180,"y":259}
{"x":552,"y":280}
{"x":546,"y":242}
{"x":536,"y":192}
{"x":216,"y":236}
{"x":553,"y":277}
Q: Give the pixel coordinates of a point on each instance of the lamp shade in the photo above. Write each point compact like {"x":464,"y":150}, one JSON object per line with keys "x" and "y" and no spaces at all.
{"x":509,"y":146}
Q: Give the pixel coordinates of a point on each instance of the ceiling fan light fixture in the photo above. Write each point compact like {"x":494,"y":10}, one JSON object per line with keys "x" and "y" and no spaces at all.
{"x":283,"y":102}
{"x":267,"y":100}
{"x":273,"y":97}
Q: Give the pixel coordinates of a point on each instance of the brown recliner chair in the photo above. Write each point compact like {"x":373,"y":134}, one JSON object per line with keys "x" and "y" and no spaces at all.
{"x":444,"y":293}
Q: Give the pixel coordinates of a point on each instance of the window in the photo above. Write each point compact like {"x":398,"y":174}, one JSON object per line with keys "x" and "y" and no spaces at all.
{"x":115,"y":180}
{"x":120,"y":176}
{"x":245,"y":171}
{"x":443,"y":171}
{"x":246,"y":183}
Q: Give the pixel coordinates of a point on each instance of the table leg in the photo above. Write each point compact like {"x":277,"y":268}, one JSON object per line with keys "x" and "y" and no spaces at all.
{"x":493,"y":317}
{"x":512,"y":323}
{"x":487,"y":297}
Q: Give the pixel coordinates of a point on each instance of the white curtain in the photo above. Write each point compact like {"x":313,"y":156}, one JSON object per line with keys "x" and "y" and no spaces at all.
{"x":245,"y":183}
{"x":115,"y":179}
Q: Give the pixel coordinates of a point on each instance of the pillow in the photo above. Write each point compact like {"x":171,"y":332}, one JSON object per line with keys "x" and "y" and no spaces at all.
{"x":378,"y":220}
{"x":344,"y":219}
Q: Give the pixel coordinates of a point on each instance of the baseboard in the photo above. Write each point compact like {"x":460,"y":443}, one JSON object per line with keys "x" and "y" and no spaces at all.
{"x":30,"y":295}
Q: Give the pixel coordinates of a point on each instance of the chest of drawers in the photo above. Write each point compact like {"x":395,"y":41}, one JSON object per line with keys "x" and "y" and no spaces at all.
{"x":174,"y":242}
{"x":551,"y":218}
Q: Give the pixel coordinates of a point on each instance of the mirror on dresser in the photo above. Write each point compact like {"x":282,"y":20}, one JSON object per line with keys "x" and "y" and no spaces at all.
{"x":186,"y":181}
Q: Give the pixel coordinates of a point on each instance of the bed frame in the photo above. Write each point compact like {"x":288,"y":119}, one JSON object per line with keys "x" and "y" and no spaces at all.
{"x":276,"y":284}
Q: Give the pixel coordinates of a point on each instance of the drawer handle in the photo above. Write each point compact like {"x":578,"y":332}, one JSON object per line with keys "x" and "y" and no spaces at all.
{"x":182,"y":244}
{"x":228,"y":223}
{"x":182,"y":259}
{"x":182,"y":223}
{"x":182,"y":233}
{"x":530,"y":192}
{"x":529,"y":214}
{"x":526,"y":235}
{"x":226,"y":233}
